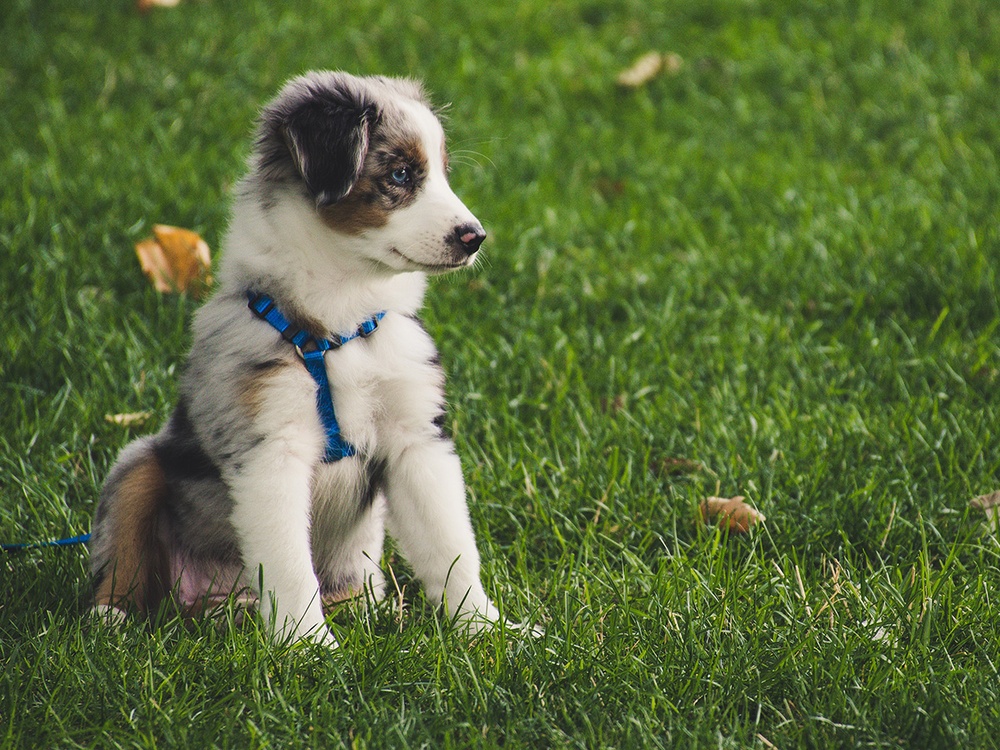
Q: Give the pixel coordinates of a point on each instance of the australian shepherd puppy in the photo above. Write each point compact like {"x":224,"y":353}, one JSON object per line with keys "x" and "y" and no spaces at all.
{"x":250,"y":487}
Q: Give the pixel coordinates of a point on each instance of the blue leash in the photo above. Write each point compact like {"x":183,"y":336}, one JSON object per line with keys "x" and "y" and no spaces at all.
{"x":312,"y":350}
{"x":80,"y":539}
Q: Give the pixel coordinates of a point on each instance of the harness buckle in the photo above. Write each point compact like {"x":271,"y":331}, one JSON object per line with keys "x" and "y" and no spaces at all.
{"x":308,"y":348}
{"x":260,"y":304}
{"x":368,"y":327}
{"x":307,"y":355}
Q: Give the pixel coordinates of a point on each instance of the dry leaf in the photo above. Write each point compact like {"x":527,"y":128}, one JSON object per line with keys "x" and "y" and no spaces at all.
{"x":670,"y":466}
{"x":730,"y":511}
{"x":609,"y":188}
{"x":613,"y":405}
{"x":131,"y":419}
{"x":989,"y":504}
{"x":175,"y":260}
{"x":672,"y":63}
{"x":145,"y":5}
{"x":641,"y":71}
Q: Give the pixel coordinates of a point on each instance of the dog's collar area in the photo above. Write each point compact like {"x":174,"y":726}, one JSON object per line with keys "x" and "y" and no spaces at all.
{"x":311,"y":350}
{"x":264,"y":307}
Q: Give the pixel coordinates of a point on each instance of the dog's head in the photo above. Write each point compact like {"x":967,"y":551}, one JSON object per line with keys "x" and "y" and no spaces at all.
{"x":369,"y":154}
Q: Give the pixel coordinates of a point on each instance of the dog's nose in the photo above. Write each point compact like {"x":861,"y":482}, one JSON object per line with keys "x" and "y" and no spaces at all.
{"x":470,"y":236}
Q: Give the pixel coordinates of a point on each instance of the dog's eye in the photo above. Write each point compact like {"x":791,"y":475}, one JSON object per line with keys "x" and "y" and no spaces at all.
{"x":401,"y":175}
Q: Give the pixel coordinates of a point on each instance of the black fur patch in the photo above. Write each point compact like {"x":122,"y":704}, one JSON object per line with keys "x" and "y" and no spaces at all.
{"x":374,"y":480}
{"x":267,"y":365}
{"x":180,"y":453}
{"x":441,"y":423}
{"x":318,"y":129}
{"x":328,"y":142}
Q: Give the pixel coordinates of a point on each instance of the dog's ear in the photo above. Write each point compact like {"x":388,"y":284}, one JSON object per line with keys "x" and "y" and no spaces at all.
{"x":328,"y":142}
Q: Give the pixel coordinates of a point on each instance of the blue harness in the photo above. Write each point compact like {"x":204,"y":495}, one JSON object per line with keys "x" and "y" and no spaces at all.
{"x":312,"y":351}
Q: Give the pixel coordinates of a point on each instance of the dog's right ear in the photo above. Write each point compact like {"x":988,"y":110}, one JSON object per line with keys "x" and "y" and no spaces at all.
{"x":328,"y":142}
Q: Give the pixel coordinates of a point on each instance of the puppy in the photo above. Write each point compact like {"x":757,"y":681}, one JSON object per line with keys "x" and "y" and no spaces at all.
{"x":310,"y":412}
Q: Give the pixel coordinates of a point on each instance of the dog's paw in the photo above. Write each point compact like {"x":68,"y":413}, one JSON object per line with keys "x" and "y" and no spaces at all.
{"x":475,"y":618}
{"x":323,"y":637}
{"x":473,"y":624}
{"x":524,"y":629}
{"x":487,"y":617}
{"x":318,"y":635}
{"x":107,"y":614}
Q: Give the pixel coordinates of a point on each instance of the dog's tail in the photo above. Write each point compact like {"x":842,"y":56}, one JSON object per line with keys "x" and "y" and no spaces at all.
{"x":129,"y":559}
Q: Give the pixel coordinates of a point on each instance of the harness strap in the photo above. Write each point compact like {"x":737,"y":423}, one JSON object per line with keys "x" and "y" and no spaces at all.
{"x":312,"y":350}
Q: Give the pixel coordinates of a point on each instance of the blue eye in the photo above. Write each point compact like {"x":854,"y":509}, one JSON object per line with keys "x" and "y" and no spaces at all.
{"x":401,"y":175}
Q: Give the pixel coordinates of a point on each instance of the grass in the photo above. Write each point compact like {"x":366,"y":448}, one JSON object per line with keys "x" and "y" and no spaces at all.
{"x":780,"y":262}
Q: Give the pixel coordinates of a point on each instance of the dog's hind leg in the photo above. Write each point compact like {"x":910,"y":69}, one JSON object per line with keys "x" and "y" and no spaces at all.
{"x":129,"y":562}
{"x":348,"y":531}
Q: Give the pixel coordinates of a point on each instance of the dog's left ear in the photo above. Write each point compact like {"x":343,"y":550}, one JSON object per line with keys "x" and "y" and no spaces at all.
{"x":328,"y":142}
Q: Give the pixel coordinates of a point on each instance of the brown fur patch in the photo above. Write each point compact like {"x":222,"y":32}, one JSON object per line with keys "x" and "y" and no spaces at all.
{"x":256,"y":384}
{"x":375,"y":196}
{"x":136,"y":577}
{"x":362,"y":209}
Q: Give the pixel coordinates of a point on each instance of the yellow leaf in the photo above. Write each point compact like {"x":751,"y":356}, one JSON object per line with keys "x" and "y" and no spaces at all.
{"x":643,"y":70}
{"x":672,"y":63}
{"x":145,"y":5}
{"x":989,"y":504}
{"x":732,"y":512}
{"x":131,"y":419}
{"x":175,"y":260}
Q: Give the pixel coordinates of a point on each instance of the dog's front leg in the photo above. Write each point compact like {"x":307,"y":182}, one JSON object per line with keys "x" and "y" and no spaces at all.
{"x":271,"y":516}
{"x":429,"y":518}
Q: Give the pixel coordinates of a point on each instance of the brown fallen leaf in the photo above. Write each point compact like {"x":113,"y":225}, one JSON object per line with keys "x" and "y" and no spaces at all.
{"x":989,"y":504}
{"x":642,"y":71}
{"x":175,"y":260}
{"x":131,"y":419}
{"x":609,"y":188}
{"x":672,"y":63}
{"x":146,"y":5}
{"x":647,"y":67}
{"x":613,"y":405}
{"x":670,"y":466}
{"x":731,"y":512}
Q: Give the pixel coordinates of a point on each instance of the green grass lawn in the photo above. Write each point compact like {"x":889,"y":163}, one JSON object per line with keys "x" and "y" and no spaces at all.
{"x":779,"y":262}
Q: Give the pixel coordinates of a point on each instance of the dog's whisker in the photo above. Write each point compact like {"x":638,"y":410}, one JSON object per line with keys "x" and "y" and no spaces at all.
{"x":461,"y":154}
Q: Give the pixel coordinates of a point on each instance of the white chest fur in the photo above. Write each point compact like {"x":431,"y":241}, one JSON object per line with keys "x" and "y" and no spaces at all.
{"x":388,"y":388}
